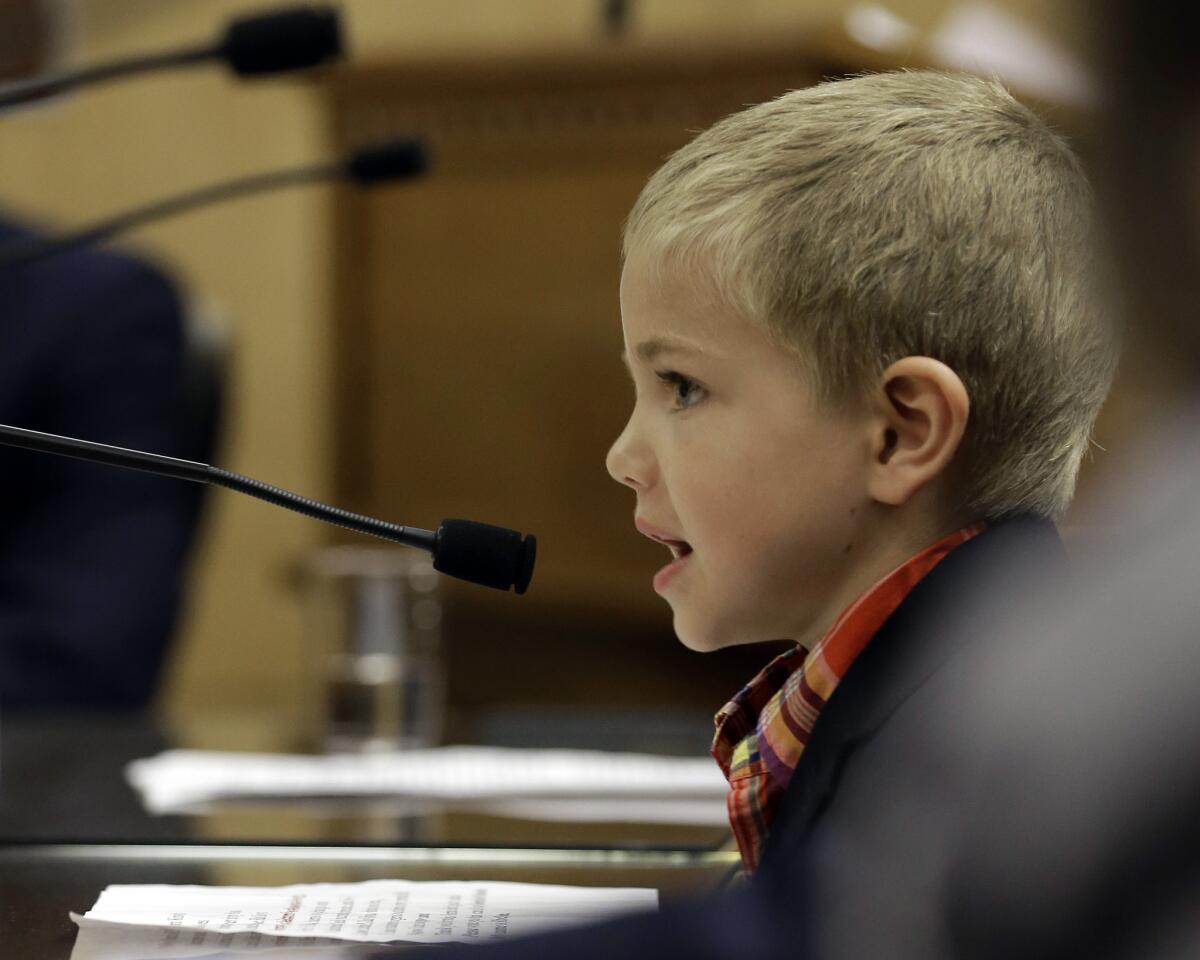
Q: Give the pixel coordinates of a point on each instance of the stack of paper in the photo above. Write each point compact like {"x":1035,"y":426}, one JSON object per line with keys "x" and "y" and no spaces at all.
{"x":152,"y":921}
{"x":547,"y":784}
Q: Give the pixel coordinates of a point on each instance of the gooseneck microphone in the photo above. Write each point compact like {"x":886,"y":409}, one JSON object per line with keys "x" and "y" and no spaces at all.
{"x":294,"y":38}
{"x":465,"y":549}
{"x":372,"y":164}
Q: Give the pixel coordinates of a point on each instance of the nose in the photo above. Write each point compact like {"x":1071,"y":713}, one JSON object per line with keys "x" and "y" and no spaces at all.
{"x":629,"y":460}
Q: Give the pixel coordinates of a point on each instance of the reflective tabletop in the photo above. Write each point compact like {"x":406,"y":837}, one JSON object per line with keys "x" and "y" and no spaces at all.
{"x":70,"y":825}
{"x":62,"y":777}
{"x":40,"y":884}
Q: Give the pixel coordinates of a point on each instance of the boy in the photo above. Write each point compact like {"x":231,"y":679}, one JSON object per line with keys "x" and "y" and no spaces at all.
{"x":858,"y":323}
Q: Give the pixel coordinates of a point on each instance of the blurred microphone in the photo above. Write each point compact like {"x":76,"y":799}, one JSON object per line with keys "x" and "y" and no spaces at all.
{"x":375,"y":163}
{"x":476,"y":552}
{"x":293,"y":38}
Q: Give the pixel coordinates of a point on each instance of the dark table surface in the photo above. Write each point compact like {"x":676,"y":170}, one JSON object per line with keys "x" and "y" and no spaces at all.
{"x":61,"y":777}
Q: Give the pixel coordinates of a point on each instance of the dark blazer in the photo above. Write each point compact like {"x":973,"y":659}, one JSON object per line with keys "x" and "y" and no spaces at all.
{"x":91,"y":558}
{"x":875,"y":813}
{"x":862,"y":848}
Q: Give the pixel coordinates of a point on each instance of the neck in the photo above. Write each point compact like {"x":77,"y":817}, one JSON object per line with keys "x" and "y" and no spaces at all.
{"x":889,"y":537}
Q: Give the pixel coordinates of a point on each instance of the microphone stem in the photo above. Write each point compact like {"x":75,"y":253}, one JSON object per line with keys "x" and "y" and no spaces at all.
{"x":25,"y":253}
{"x":24,"y":91}
{"x":204,"y":473}
{"x":103,"y":453}
{"x":410,"y":536}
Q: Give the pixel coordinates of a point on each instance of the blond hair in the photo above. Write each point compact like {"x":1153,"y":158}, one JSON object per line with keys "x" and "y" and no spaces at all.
{"x":912,"y":213}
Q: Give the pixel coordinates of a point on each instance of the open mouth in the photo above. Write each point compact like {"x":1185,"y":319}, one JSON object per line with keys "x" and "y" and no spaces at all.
{"x":680,"y":551}
{"x":679,"y":548}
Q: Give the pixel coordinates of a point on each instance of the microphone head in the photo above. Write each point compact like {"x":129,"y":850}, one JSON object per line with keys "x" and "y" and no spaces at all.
{"x":387,"y":160}
{"x":483,"y":554}
{"x":289,"y":39}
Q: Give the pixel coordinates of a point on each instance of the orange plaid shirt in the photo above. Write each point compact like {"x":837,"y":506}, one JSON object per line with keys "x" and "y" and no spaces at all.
{"x":762,"y":732}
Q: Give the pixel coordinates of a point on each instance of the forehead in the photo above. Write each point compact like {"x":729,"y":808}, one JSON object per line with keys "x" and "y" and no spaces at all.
{"x":668,"y":309}
{"x":672,"y":315}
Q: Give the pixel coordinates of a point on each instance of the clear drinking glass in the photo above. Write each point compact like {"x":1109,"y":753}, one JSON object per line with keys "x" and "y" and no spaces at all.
{"x":374,"y":627}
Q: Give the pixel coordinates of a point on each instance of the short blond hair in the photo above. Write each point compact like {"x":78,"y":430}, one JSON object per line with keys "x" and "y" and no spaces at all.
{"x":909,"y":213}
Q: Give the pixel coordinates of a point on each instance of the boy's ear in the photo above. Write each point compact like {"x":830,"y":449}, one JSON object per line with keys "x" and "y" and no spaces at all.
{"x":922,"y":410}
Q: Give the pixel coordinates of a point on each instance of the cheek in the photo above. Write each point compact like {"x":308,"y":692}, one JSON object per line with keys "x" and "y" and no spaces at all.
{"x":711,"y":499}
{"x":786,"y":520}
{"x":767,"y":496}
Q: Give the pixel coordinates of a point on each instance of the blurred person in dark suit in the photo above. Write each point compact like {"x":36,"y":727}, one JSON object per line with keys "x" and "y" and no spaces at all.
{"x":1105,"y":781}
{"x":91,"y":558}
{"x":94,"y":346}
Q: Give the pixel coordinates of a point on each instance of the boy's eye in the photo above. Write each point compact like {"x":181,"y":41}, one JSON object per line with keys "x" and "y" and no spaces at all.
{"x":685,"y":391}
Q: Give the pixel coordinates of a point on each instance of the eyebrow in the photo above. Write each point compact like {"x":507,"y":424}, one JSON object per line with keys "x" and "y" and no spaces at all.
{"x":650,"y":350}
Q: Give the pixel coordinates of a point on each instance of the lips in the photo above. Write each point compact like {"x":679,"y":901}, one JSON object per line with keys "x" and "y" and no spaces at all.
{"x":679,"y":547}
{"x":680,"y":551}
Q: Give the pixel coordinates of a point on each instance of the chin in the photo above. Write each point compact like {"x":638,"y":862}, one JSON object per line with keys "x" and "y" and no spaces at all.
{"x":702,"y":637}
{"x":704,"y":633}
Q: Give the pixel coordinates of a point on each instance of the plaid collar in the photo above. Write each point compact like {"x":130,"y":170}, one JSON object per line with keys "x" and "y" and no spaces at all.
{"x":761,"y":733}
